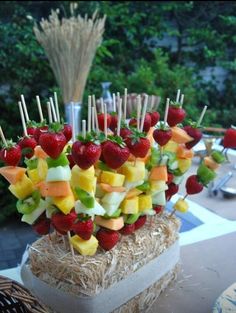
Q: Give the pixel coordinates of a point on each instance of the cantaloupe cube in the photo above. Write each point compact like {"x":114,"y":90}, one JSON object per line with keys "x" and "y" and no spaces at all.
{"x":84,"y":247}
{"x":12,"y":173}
{"x":133,"y":193}
{"x":179,"y":135}
{"x":34,"y":176}
{"x":130,"y":206}
{"x":133,"y":172}
{"x":23,"y":188}
{"x":109,"y":188}
{"x":65,"y":204}
{"x":111,"y":223}
{"x":184,"y":153}
{"x":171,"y":146}
{"x":55,"y":189}
{"x":209,"y":162}
{"x":159,"y":173}
{"x":39,"y":153}
{"x":145,"y":203}
{"x":184,"y":164}
{"x":112,"y":179}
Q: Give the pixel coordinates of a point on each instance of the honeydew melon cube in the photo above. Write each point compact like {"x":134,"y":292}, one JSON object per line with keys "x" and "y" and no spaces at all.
{"x":32,"y":217}
{"x":84,"y":247}
{"x":97,"y":210}
{"x":164,"y":160}
{"x":59,"y":173}
{"x":113,"y":197}
{"x":159,"y":198}
{"x":173,"y":165}
{"x":158,"y":186}
{"x":131,"y":185}
{"x":23,"y":188}
{"x":150,"y":212}
{"x":110,"y":208}
{"x":50,"y":210}
{"x":145,"y":203}
{"x":130,"y":206}
{"x":178,"y":179}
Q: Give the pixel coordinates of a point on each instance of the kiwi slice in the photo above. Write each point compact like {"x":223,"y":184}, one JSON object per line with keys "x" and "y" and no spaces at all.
{"x":29,"y":204}
{"x":144,"y":187}
{"x":60,"y":161}
{"x":218,"y":157}
{"x":31,"y":163}
{"x":205,"y":174}
{"x":132,"y":218}
{"x":86,"y":199}
{"x":114,"y":215}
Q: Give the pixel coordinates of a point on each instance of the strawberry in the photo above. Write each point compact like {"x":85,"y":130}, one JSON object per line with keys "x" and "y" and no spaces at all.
{"x":63,"y":223}
{"x":133,"y":122}
{"x":158,"y":208}
{"x":146,"y":124}
{"x":39,"y":131}
{"x":170,"y":178}
{"x":155,"y":117}
{"x":27,"y":144}
{"x":114,"y":152}
{"x":107,"y":238}
{"x":127,"y":229}
{"x":53,"y":141}
{"x":114,"y":122}
{"x":193,"y":132}
{"x":31,"y":131}
{"x":138,"y":144}
{"x":42,"y":226}
{"x":125,"y":132}
{"x":71,"y":160}
{"x":86,"y":152}
{"x":176,"y":114}
{"x":172,"y":190}
{"x":10,"y":154}
{"x":192,"y":185}
{"x":67,"y":131}
{"x":162,"y":136}
{"x":84,"y":229}
{"x":140,"y":222}
{"x":101,"y":118}
{"x":229,"y":140}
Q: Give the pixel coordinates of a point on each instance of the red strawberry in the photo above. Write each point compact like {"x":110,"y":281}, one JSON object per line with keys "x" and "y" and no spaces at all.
{"x":192,"y":185}
{"x":172,"y":190}
{"x":146,"y":124}
{"x":170,"y":178}
{"x":39,"y":131}
{"x":107,"y":238}
{"x":85,"y":154}
{"x":114,"y":152}
{"x":158,"y":209}
{"x":138,"y":144}
{"x":11,"y":154}
{"x":229,"y":140}
{"x":53,"y":141}
{"x":101,"y":118}
{"x":176,"y":115}
{"x":114,"y":122}
{"x":84,"y":229}
{"x":133,"y":122}
{"x":195,"y":133}
{"x":155,"y":117}
{"x":31,"y":131}
{"x":67,"y":131}
{"x":140,"y":222}
{"x":162,"y":136}
{"x":125,"y":132}
{"x":71,"y":160}
{"x":63,"y":223}
{"x":127,"y":229}
{"x":42,"y":226}
{"x":27,"y":145}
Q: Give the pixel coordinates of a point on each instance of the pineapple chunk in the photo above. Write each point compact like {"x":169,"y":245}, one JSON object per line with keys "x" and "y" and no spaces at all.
{"x":42,"y":168}
{"x":113,"y":179}
{"x":130,"y":206}
{"x":181,"y":205}
{"x":184,"y":164}
{"x":171,"y":146}
{"x":76,"y":171}
{"x":158,"y":186}
{"x":145,"y":203}
{"x":23,"y":188}
{"x":78,"y":175}
{"x":133,"y":172}
{"x":84,"y":247}
{"x":87,"y":183}
{"x":64,"y":204}
{"x":34,"y":176}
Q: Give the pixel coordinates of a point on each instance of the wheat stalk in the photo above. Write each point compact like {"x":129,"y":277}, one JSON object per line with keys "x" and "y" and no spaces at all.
{"x":70,"y":45}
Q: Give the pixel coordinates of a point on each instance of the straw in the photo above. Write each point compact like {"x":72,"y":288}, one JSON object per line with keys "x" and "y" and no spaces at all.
{"x":24,"y":108}
{"x":166,"y":110}
{"x":177,"y":96}
{"x":89,"y":113}
{"x":57,"y":107}
{"x":49,"y":112}
{"x":3,"y":137}
{"x":125,"y":104}
{"x":53,"y":109}
{"x":144,"y":112}
{"x":39,"y":108}
{"x":202,"y":115}
{"x":22,"y":119}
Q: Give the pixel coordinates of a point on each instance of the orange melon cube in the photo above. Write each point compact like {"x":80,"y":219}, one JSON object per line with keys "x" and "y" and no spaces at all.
{"x":133,"y":193}
{"x":159,"y":173}
{"x":209,"y":162}
{"x":39,"y":153}
{"x":184,"y":153}
{"x":179,"y":135}
{"x":109,"y":188}
{"x":12,"y":173}
{"x":54,"y":189}
{"x":111,"y":223}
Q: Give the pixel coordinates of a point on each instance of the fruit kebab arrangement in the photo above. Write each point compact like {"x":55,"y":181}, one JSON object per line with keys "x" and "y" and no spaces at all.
{"x":104,"y":183}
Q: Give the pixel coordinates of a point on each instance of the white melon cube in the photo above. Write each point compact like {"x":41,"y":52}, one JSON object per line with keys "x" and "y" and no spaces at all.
{"x":59,"y":173}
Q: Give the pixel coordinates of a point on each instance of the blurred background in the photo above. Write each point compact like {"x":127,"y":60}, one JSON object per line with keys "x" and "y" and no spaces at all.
{"x":154,"y":47}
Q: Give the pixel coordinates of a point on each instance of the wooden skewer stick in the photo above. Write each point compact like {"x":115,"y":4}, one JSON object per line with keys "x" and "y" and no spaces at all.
{"x":93,"y":118}
{"x":172,"y":213}
{"x":39,"y":108}
{"x":3,"y":137}
{"x":114,"y":102}
{"x":105,"y":119}
{"x":138,"y":99}
{"x":24,"y":108}
{"x":182,"y":100}
{"x":125,"y":104}
{"x":71,"y":247}
{"x":102,"y":105}
{"x":72,"y":112}
{"x":119,"y":117}
{"x":22,"y":119}
{"x":202,"y":115}
{"x":89,"y":113}
{"x":152,"y":102}
{"x":95,"y":112}
{"x":144,"y":112}
{"x":53,"y":109}
{"x":177,"y":96}
{"x":57,"y":107}
{"x":84,"y":128}
{"x":118,"y":99}
{"x":49,"y":112}
{"x":166,"y":110}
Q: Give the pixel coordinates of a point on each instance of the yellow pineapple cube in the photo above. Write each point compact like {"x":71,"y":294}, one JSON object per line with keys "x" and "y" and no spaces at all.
{"x":132,"y":172}
{"x":113,"y":179}
{"x":158,"y":185}
{"x":76,"y":172}
{"x":184,"y":164}
{"x":171,"y":146}
{"x":65,"y":204}
{"x":34,"y":176}
{"x":23,"y":188}
{"x":130,"y":206}
{"x":42,"y":169}
{"x":181,"y":205}
{"x":87,"y":183}
{"x":84,"y":247}
{"x":145,"y":202}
